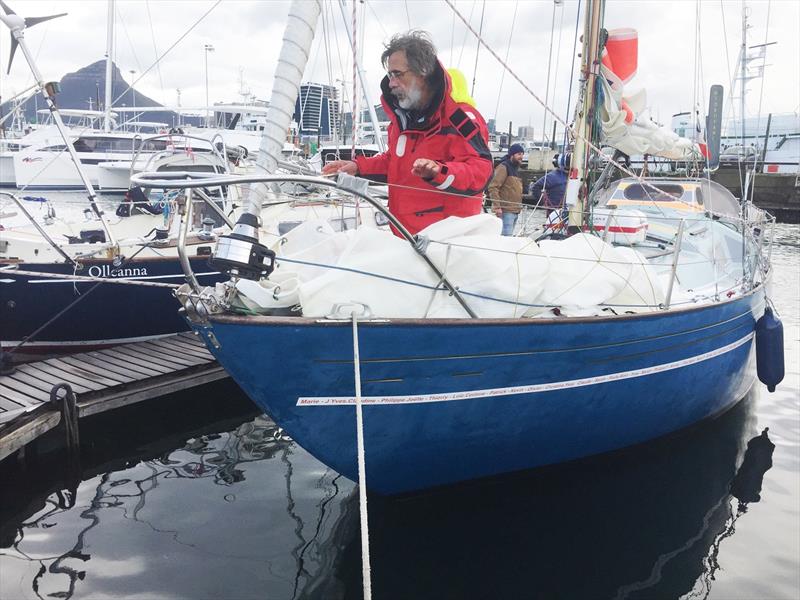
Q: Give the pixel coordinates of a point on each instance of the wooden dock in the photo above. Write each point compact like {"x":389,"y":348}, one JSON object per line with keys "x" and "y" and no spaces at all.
{"x":101,"y":380}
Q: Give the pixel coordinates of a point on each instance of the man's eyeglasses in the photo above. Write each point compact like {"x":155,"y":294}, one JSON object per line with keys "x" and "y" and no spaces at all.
{"x":396,"y":74}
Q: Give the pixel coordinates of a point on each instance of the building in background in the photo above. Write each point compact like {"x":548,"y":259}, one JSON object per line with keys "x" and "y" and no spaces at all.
{"x":317,"y":111}
{"x":525,"y":132}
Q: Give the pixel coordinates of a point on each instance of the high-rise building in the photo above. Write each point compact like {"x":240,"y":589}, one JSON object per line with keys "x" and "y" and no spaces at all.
{"x":525,"y":132}
{"x":317,"y":110}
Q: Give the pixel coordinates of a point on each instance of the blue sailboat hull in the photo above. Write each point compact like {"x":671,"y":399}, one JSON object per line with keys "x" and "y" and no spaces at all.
{"x":453,"y":400}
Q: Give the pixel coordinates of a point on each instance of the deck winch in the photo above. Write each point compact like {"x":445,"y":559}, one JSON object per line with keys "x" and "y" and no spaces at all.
{"x":239,"y":254}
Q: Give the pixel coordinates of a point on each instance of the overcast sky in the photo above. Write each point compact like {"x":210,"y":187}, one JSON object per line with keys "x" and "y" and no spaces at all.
{"x":247,"y":34}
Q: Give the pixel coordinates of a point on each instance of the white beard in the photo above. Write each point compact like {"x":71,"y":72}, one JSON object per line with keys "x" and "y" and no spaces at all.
{"x":411,"y":99}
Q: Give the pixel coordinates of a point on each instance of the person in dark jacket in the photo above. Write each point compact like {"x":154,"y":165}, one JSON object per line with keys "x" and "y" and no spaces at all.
{"x":550,"y":188}
{"x":438,"y":161}
{"x":505,"y":190}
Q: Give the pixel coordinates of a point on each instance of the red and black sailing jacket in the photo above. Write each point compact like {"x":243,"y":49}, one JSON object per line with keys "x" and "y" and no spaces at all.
{"x":453,"y":134}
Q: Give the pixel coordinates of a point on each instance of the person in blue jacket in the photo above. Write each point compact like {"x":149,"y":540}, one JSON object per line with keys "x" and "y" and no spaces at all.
{"x":549,"y":189}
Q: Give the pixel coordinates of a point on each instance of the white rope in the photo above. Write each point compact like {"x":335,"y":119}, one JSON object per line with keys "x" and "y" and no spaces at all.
{"x":362,"y":475}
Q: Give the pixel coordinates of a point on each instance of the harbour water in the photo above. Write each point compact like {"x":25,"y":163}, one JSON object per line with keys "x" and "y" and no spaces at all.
{"x":199,"y":496}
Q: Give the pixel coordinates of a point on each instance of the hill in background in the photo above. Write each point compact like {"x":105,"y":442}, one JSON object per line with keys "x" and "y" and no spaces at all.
{"x":86,"y":87}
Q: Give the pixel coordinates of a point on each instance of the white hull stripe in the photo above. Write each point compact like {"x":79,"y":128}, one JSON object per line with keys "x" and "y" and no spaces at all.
{"x":175,"y":276}
{"x":523,"y":389}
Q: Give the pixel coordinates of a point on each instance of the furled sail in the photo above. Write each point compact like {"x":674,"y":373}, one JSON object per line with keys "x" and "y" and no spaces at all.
{"x":625,"y":120}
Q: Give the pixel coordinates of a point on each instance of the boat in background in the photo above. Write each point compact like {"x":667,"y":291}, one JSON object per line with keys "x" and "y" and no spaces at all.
{"x":759,"y":156}
{"x":69,"y":254}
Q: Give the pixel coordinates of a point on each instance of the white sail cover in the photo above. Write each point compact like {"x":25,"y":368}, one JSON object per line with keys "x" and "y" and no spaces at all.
{"x":627,"y":126}
{"x":499,"y":276}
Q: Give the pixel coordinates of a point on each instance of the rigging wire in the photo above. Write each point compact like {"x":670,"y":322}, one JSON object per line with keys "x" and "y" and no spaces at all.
{"x":549,"y":64}
{"x":558,"y":59}
{"x":118,"y":12}
{"x":356,"y":119}
{"x":478,"y":51}
{"x":452,"y":37}
{"x":328,"y":66}
{"x":572,"y":70}
{"x":508,"y":51}
{"x":340,"y":65}
{"x":466,"y":31}
{"x":761,"y":91}
{"x":122,"y":21}
{"x":695,"y":91}
{"x":168,"y":50}
{"x":155,"y":47}
{"x":377,"y":19}
{"x":729,"y":71}
{"x":589,"y":143}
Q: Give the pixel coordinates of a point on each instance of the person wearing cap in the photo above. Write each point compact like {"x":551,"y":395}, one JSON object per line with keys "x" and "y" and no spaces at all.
{"x":505,"y":190}
{"x":549,"y":189}
{"x":438,"y":161}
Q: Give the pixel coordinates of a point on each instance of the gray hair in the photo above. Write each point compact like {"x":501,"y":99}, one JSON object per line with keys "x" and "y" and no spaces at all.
{"x":419,"y":49}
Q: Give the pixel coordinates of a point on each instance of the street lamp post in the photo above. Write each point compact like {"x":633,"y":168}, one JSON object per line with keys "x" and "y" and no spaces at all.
{"x":207,"y":48}
{"x":133,"y":96}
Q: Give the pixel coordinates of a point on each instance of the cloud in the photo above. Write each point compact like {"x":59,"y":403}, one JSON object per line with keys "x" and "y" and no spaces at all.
{"x":247,"y":35}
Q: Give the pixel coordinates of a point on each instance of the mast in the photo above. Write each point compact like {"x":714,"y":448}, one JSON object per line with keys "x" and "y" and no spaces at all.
{"x":576,"y":192}
{"x":109,"y":66}
{"x":743,"y":72}
{"x":240,"y":254}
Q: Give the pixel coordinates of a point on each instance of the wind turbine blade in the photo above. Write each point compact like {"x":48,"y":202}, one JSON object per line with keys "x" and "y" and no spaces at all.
{"x":31,"y":21}
{"x":6,"y":8}
{"x":14,"y":45}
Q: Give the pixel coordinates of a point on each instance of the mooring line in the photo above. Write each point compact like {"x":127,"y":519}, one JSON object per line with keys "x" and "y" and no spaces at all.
{"x":362,"y":475}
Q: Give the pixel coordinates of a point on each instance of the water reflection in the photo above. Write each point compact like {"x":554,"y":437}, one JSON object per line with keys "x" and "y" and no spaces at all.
{"x":641,"y":524}
{"x":746,"y":486}
{"x":217,"y":456}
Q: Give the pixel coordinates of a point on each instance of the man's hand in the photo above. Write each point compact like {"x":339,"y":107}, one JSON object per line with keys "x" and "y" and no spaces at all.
{"x":425,"y":168}
{"x":340,"y":166}
{"x":497,"y":211}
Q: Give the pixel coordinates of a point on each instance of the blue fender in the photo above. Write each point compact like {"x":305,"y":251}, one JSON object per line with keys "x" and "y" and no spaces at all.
{"x":769,"y":349}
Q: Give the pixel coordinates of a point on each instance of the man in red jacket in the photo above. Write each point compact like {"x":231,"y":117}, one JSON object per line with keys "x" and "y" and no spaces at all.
{"x":438,"y":162}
